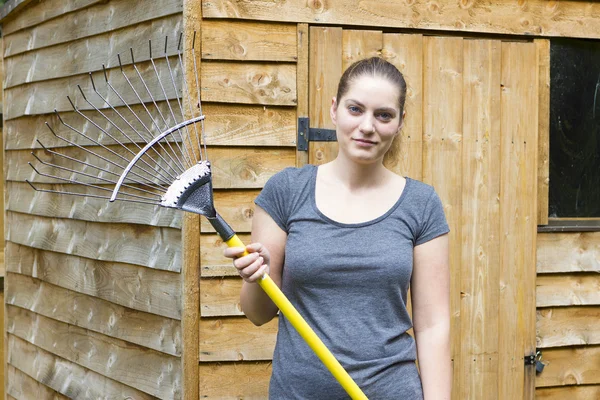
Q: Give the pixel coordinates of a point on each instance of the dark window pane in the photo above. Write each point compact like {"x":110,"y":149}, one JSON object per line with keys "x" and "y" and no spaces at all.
{"x":574,"y":128}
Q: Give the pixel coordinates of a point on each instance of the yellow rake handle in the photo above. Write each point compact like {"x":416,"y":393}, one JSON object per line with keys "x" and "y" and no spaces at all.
{"x":309,"y":336}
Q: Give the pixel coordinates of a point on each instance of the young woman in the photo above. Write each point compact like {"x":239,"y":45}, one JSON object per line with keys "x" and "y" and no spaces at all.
{"x":344,"y":241}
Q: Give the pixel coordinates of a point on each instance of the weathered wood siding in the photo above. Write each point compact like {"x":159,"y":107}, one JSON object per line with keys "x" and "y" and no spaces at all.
{"x":93,"y":290}
{"x":568,"y":315}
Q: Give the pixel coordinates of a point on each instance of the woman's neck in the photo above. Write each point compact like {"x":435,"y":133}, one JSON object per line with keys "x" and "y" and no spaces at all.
{"x":358,"y":176}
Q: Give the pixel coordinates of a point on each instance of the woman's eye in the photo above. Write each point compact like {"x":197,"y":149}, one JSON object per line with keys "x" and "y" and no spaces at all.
{"x":386,"y":116}
{"x":354,"y":109}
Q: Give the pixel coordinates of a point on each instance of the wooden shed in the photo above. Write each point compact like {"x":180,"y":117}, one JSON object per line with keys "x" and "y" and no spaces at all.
{"x":106,"y":301}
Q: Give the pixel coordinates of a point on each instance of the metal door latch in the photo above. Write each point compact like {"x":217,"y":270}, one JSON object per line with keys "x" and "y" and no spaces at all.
{"x":535,"y":359}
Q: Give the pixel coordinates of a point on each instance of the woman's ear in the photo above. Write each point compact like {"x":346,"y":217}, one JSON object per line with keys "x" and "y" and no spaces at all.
{"x":401,"y":122}
{"x":333,"y":110}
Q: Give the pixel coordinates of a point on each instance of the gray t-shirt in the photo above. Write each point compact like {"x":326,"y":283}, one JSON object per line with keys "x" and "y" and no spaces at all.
{"x":349,"y":282}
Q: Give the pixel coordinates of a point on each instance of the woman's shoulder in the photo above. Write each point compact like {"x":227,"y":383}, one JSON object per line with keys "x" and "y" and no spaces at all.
{"x":293,"y":175}
{"x":420,"y":191}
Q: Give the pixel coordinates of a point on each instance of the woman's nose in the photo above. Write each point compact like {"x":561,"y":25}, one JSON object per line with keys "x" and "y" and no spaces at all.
{"x":366,"y":125}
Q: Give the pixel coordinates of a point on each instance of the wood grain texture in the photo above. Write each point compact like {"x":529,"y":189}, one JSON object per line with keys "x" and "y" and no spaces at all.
{"x":442,"y":147}
{"x":568,"y":252}
{"x":116,"y":359}
{"x":95,"y":20}
{"x":64,"y":376}
{"x":22,"y":386}
{"x":236,"y":207}
{"x":147,"y":330}
{"x":359,"y":44}
{"x":302,"y":86}
{"x":220,"y":297}
{"x":479,"y":289}
{"x":568,"y":326}
{"x":158,"y":248}
{"x":214,"y":264}
{"x":249,"y":83}
{"x":405,"y":52}
{"x":236,"y":339}
{"x":248,"y":41}
{"x":569,"y":392}
{"x":518,"y":225}
{"x":138,"y":288}
{"x":543,"y":183}
{"x":567,"y":289}
{"x":232,"y":381}
{"x":247,"y":168}
{"x":534,"y":17}
{"x":570,"y":366}
{"x":88,"y":55}
{"x":43,"y":11}
{"x":46,"y":96}
{"x":325,"y":71}
{"x":249,"y":125}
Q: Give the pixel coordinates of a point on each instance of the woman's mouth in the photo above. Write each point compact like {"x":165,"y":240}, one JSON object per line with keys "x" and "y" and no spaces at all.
{"x":364,"y":142}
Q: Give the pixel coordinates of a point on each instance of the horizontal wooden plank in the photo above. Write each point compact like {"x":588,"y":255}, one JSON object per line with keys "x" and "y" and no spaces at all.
{"x":569,"y":392}
{"x":249,"y":41}
{"x":214,"y":264}
{"x":249,"y":83}
{"x":233,"y":381}
{"x":158,"y":248}
{"x":574,"y":19}
{"x":43,"y":11}
{"x":22,"y":386}
{"x":139,"y":288}
{"x":236,"y":207}
{"x":567,"y":289}
{"x":114,"y":358}
{"x":220,"y":297}
{"x":64,"y":376}
{"x":46,"y":96}
{"x":570,"y":366}
{"x":94,"y":20}
{"x":568,"y":252}
{"x":247,"y":168}
{"x":236,"y":339}
{"x":24,"y":132}
{"x":88,"y":55}
{"x":20,"y":197}
{"x":147,"y":330}
{"x":567,"y":326}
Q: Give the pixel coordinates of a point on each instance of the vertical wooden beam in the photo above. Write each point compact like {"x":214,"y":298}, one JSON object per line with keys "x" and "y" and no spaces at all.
{"x":405,"y":157}
{"x":190,"y":273}
{"x":325,"y":70}
{"x":442,"y":150}
{"x":518,"y":224}
{"x":543,"y":167}
{"x":480,"y":220}
{"x":302,"y":85}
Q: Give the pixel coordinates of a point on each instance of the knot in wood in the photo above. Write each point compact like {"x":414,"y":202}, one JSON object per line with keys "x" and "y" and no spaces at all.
{"x":317,"y":5}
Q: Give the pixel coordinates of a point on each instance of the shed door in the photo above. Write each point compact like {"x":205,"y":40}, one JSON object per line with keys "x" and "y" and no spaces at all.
{"x":471,"y":132}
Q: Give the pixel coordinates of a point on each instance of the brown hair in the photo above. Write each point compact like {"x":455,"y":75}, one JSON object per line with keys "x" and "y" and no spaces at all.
{"x":374,"y":66}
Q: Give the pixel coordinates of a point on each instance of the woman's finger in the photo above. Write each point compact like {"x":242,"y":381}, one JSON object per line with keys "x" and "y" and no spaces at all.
{"x":258,"y":274}
{"x":245,"y":261}
{"x":233,"y":252}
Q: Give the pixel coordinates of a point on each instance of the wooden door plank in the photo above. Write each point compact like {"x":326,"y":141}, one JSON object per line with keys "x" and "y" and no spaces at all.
{"x":302,"y":84}
{"x":481,"y":216}
{"x":405,"y":157}
{"x":359,"y":44}
{"x":442,"y":147}
{"x":543,"y":60}
{"x":235,"y":380}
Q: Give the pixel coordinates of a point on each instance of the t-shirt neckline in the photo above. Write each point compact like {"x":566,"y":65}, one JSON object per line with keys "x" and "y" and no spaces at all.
{"x":313,"y":196}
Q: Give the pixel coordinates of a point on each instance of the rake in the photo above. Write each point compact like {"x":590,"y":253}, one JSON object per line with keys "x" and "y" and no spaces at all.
{"x":158,"y":156}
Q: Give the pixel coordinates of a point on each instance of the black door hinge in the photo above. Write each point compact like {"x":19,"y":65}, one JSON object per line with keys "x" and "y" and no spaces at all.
{"x":307,"y":134}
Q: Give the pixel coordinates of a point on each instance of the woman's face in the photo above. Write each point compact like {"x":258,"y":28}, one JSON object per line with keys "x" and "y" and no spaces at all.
{"x":367,"y":118}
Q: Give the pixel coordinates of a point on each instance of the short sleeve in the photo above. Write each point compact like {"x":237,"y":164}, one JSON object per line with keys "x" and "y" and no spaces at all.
{"x":433,"y":222}
{"x":274,"y":197}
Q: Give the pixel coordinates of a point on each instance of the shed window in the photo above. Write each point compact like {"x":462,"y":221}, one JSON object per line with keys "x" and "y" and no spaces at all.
{"x":574,"y":129}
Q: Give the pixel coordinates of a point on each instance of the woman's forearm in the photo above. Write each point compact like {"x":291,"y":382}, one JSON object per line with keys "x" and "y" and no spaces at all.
{"x":256,"y":305}
{"x":435,"y":365}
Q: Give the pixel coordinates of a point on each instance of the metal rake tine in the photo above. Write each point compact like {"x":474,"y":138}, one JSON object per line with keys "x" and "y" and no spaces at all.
{"x":195,"y":157}
{"x":86,"y":195}
{"x":198,"y":89}
{"x":149,"y":183}
{"x":186,"y":89}
{"x":144,"y":105}
{"x":181,"y":164}
{"x":90,"y":176}
{"x":175,"y":162}
{"x":127,"y":136}
{"x":166,"y":97}
{"x":91,"y":166}
{"x":104,"y":147}
{"x":83,"y":183}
